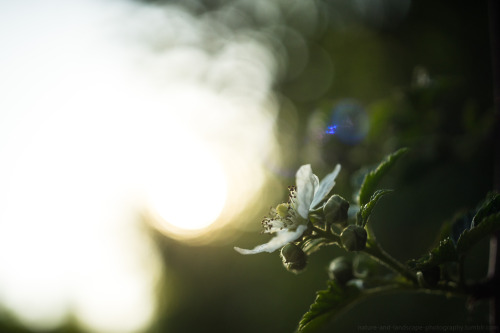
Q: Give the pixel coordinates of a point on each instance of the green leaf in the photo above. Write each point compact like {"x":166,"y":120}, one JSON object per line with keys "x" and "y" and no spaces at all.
{"x":366,"y":210}
{"x":486,"y":227}
{"x":444,"y":252}
{"x":491,"y":205}
{"x":332,"y":302}
{"x":459,"y":224}
{"x":328,"y":304}
{"x":373,"y":178}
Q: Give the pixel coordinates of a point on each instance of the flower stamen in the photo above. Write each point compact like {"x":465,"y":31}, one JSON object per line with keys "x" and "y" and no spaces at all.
{"x":284,"y":216}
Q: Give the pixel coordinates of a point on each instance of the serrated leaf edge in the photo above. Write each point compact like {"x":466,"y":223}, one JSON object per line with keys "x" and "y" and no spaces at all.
{"x":472,"y":236}
{"x":367,"y":209}
{"x":374,"y":176}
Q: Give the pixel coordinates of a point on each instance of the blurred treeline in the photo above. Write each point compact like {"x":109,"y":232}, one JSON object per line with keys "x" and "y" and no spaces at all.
{"x":422,"y":80}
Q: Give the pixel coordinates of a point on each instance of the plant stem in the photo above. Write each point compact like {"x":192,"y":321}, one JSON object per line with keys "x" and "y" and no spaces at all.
{"x":331,"y":236}
{"x":374,"y":250}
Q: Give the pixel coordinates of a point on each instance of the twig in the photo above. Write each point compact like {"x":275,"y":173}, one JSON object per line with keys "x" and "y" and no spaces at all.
{"x":375,"y":251}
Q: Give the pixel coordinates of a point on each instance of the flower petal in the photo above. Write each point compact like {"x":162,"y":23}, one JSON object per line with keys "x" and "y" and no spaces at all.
{"x":307,"y":183}
{"x":282,"y":238}
{"x":325,"y":186}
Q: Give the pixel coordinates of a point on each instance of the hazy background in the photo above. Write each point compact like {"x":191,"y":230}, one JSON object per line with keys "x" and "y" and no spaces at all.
{"x":141,"y":140}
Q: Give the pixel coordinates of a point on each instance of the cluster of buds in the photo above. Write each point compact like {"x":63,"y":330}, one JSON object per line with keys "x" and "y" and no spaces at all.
{"x":352,"y":238}
{"x":304,"y":219}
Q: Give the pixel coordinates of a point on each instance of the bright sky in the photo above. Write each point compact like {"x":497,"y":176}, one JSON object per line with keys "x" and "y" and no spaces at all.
{"x":98,"y":127}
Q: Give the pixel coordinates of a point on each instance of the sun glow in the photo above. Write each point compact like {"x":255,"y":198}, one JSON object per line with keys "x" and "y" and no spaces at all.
{"x":98,"y":134}
{"x":188,"y":190}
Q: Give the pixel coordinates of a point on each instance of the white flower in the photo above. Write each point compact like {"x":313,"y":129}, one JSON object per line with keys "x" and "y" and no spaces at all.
{"x":289,"y":220}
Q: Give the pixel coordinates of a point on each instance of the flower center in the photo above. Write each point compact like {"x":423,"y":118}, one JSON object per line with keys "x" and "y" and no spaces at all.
{"x":284,"y":216}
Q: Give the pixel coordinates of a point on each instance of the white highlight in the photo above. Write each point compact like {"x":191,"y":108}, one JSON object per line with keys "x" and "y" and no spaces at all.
{"x":88,"y":140}
{"x":191,"y":192}
{"x":282,"y":238}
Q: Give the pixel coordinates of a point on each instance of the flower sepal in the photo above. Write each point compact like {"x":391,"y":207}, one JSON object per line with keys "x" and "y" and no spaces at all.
{"x":317,"y":220}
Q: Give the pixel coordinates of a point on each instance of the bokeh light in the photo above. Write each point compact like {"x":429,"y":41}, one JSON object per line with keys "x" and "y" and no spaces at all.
{"x":349,"y":122}
{"x":114,"y":113}
{"x":141,"y":140}
{"x":189,"y":195}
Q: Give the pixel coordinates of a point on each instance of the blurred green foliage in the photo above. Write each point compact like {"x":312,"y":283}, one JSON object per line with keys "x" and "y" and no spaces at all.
{"x":425,"y":83}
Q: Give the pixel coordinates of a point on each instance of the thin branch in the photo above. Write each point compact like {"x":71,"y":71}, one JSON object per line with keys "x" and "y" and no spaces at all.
{"x":375,"y":251}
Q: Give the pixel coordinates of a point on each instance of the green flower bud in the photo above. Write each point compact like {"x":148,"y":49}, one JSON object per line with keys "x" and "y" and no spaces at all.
{"x":353,"y":238}
{"x":341,"y":270}
{"x":335,"y":210}
{"x":294,"y":259}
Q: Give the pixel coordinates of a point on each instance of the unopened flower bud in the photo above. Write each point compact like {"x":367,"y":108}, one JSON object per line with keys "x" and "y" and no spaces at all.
{"x":341,"y":270}
{"x":335,"y":209}
{"x":353,"y":238}
{"x":294,"y":259}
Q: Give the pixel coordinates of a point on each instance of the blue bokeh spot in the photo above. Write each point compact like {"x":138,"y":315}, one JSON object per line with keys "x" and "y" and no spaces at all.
{"x":348,"y":122}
